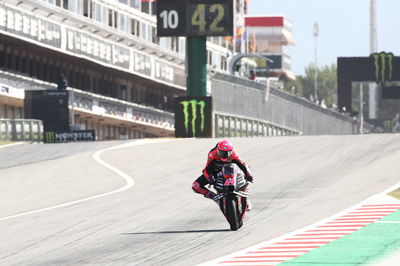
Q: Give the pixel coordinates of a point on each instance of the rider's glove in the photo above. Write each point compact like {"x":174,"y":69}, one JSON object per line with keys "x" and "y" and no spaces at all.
{"x":210,"y":195}
{"x":211,"y":179}
{"x":249,"y":178}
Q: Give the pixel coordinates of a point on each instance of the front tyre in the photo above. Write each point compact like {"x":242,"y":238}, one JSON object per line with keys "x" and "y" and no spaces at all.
{"x":232,"y":214}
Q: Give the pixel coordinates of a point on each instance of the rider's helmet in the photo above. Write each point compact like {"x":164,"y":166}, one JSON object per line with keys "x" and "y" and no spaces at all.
{"x":224,"y":149}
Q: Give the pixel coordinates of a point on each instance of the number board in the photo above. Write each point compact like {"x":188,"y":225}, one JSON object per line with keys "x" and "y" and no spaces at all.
{"x":170,"y":17}
{"x":194,"y":18}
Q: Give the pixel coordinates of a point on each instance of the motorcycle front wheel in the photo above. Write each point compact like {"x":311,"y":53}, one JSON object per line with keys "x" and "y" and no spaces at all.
{"x":232,"y":213}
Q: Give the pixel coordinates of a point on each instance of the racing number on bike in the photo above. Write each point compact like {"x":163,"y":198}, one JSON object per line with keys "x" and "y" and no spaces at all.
{"x":229,"y":182}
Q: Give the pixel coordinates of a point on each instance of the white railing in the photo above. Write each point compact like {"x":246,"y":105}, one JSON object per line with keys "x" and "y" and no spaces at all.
{"x":21,"y":130}
{"x":118,"y":109}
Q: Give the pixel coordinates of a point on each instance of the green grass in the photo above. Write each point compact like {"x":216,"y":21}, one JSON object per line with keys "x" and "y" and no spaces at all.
{"x":5,"y":142}
{"x":395,"y":193}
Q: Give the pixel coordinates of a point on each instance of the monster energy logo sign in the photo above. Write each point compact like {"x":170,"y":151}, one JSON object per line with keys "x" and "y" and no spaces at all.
{"x":383,"y":65}
{"x":50,"y":137}
{"x":82,"y":135}
{"x":194,"y":104}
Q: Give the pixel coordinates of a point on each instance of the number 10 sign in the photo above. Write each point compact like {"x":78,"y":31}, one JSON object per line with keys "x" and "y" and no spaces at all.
{"x":194,"y":18}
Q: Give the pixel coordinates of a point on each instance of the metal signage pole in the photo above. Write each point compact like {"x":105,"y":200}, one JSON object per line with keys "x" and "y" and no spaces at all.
{"x":196,"y":57}
{"x":195,"y":19}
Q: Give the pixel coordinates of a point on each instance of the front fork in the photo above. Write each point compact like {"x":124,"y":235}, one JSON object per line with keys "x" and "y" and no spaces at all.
{"x":241,"y":196}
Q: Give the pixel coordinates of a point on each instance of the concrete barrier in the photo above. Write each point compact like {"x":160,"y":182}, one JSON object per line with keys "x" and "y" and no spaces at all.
{"x":245,"y":108}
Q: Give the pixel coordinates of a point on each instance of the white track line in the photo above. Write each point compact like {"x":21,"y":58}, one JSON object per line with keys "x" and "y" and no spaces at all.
{"x":129,"y":180}
{"x":380,"y":199}
{"x":9,"y":145}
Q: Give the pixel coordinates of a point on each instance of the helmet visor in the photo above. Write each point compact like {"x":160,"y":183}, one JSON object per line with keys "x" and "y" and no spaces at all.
{"x":224,"y":154}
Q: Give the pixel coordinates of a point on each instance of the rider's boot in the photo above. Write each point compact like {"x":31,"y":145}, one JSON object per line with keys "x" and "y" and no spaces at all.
{"x":248,"y":205}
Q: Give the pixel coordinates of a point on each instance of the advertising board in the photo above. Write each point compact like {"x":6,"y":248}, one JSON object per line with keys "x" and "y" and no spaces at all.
{"x":193,"y":117}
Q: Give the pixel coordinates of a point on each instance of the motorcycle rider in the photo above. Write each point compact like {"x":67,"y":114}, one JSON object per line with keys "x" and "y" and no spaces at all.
{"x":221,"y":154}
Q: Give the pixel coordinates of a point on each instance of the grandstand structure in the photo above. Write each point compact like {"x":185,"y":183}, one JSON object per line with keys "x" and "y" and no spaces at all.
{"x":122,"y":78}
{"x":268,"y":36}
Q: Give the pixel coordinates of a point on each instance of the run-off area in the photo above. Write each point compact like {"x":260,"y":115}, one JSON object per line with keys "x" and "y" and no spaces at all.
{"x":359,"y":248}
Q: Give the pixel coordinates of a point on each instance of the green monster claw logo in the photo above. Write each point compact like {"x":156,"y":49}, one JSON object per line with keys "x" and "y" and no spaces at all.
{"x":193,"y":104}
{"x":50,"y":138}
{"x":381,"y":61}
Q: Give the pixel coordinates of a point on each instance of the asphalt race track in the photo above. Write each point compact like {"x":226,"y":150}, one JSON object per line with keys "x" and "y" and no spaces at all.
{"x":160,"y":221}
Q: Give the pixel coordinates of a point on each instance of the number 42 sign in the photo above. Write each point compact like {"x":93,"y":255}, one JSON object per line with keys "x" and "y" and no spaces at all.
{"x":194,"y":18}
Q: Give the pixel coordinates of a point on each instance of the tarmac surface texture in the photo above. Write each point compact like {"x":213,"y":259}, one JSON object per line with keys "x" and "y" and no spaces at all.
{"x":159,"y":220}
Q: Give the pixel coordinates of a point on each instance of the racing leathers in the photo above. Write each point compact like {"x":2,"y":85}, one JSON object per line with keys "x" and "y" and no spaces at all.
{"x":213,"y":166}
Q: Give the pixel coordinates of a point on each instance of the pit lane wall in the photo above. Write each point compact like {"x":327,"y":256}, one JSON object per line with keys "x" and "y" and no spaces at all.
{"x":21,"y":130}
{"x":246,"y":108}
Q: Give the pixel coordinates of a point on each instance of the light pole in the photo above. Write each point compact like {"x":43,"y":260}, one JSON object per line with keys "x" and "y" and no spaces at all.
{"x":373,"y":103}
{"x":315,"y":33}
{"x":373,"y":35}
{"x":361,"y":109}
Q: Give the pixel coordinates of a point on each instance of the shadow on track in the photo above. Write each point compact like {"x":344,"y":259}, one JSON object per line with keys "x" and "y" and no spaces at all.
{"x":179,"y":232}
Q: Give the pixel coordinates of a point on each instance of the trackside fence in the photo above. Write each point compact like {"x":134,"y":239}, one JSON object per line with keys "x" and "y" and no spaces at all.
{"x":21,"y":130}
{"x":246,"y":108}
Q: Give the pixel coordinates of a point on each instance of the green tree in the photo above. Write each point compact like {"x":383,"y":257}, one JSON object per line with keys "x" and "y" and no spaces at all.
{"x":294,"y":87}
{"x":326,"y":84}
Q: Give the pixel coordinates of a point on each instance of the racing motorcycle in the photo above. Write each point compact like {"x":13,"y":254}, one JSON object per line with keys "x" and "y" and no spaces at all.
{"x":231,"y":185}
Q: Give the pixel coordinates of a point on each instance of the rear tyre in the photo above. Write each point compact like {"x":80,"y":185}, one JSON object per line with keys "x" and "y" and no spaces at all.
{"x":232,"y":214}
